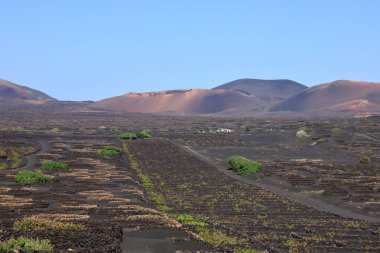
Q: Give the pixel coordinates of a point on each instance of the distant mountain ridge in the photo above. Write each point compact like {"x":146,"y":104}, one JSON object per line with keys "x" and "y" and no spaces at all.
{"x":335,"y":97}
{"x":243,"y":97}
{"x":281,"y":88}
{"x":9,"y":90}
{"x":185,"y":102}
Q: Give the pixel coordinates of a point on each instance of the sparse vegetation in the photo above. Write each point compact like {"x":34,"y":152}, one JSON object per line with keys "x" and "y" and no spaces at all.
{"x":14,"y":157}
{"x":353,"y":224}
{"x":187,"y":219}
{"x":244,"y":250}
{"x":147,"y":183}
{"x":24,"y":243}
{"x":109,"y":151}
{"x":140,"y":135}
{"x":53,"y":165}
{"x":337,"y":130}
{"x":365,"y":160}
{"x":244,"y":166}
{"x":219,"y":238}
{"x":31,"y":177}
{"x":322,"y":140}
{"x":143,"y":134}
{"x":36,"y":223}
{"x":55,"y":130}
{"x":305,"y":129}
{"x":126,"y":136}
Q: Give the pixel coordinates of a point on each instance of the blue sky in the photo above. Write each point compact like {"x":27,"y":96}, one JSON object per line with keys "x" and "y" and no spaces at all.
{"x":89,"y":50}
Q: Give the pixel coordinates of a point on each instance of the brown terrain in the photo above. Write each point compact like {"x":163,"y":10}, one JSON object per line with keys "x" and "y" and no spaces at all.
{"x":339,"y":97}
{"x":265,"y":88}
{"x":187,"y":102}
{"x":10,"y":90}
{"x":244,"y":97}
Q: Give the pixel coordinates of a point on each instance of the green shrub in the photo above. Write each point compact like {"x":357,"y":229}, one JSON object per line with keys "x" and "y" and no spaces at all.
{"x":31,"y":177}
{"x":50,"y":165}
{"x":244,"y":166}
{"x":127,"y":136}
{"x":109,"y":151}
{"x":336,"y":130}
{"x":303,"y":129}
{"x":322,"y":140}
{"x":365,"y":160}
{"x":24,"y":243}
{"x":143,"y":134}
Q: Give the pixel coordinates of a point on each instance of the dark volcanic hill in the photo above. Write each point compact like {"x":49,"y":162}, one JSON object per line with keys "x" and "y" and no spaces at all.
{"x":265,"y":88}
{"x":187,"y":102}
{"x":12,"y":91}
{"x":335,"y":97}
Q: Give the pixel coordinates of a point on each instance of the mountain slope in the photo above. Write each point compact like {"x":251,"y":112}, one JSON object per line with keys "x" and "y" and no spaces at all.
{"x":265,"y":88}
{"x":9,"y":90}
{"x":338,"y":96}
{"x":185,"y":102}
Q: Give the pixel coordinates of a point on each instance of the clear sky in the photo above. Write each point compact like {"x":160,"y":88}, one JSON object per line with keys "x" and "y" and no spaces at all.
{"x":89,"y":50}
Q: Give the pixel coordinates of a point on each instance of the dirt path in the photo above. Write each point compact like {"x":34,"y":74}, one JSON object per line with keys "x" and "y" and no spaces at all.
{"x":310,"y":202}
{"x":31,"y":160}
{"x":365,"y":136}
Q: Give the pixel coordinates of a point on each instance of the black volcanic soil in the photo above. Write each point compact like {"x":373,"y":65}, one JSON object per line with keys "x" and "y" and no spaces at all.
{"x":99,"y":193}
{"x":329,"y":171}
{"x":267,"y":220}
{"x":105,"y":196}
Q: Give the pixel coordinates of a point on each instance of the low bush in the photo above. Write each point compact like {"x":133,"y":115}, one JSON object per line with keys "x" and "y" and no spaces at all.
{"x":50,"y":165}
{"x":244,"y":166}
{"x":140,"y":135}
{"x":127,"y":136}
{"x":109,"y":151}
{"x":24,"y":243}
{"x":365,"y":160}
{"x":143,"y":134}
{"x":322,"y":140}
{"x":31,"y":177}
{"x":336,"y":130}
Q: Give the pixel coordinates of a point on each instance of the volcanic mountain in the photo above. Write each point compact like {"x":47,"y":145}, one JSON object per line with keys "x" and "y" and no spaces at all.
{"x":187,"y":102}
{"x":341,"y":96}
{"x":265,"y":88}
{"x":13,"y":91}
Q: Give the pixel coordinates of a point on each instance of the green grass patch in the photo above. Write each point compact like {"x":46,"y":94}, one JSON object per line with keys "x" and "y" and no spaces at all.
{"x":52,"y":165}
{"x":109,"y":151}
{"x":218,"y":238}
{"x":24,"y":243}
{"x":187,"y":219}
{"x":244,"y":166}
{"x":31,"y":177}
